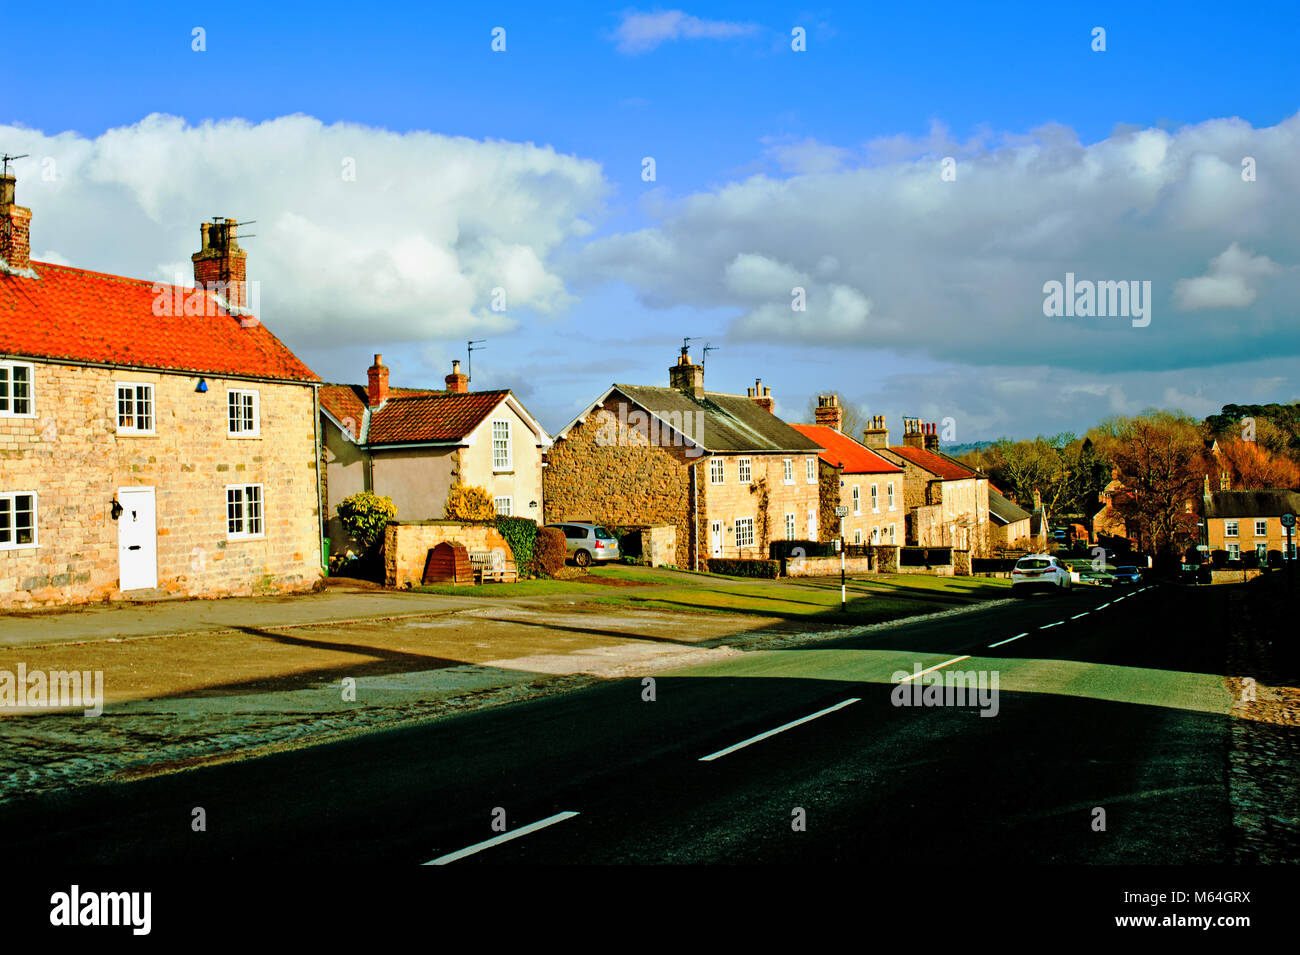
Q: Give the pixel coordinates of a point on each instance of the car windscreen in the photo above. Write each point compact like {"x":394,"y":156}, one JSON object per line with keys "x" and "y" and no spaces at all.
{"x":1032,"y":563}
{"x":1126,"y":570}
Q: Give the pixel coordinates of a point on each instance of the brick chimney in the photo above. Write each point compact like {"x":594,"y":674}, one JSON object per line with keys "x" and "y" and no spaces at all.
{"x":687,"y":377}
{"x":221,"y":265}
{"x":15,"y":227}
{"x":762,"y":396}
{"x":931,"y":434}
{"x":913,"y":437}
{"x":829,"y":413}
{"x":876,"y":436}
{"x":377,"y":392}
{"x":456,"y":382}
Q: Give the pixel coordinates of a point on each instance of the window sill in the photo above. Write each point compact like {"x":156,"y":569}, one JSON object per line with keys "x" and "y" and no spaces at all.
{"x":235,"y":539}
{"x":14,"y":414}
{"x":136,"y":434}
{"x":244,"y":436}
{"x":5,"y":548}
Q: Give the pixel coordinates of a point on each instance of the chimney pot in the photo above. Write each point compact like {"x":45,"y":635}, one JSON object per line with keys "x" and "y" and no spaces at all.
{"x":221,"y":265}
{"x":457,"y":383}
{"x":687,"y":377}
{"x":829,"y":413}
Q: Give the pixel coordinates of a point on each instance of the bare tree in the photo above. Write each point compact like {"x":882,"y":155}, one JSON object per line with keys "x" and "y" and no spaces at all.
{"x":853,"y":422}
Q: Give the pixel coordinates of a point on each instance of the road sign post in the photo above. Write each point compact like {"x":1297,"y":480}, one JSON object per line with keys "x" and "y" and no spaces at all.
{"x":1288,"y":521}
{"x":841,"y":512}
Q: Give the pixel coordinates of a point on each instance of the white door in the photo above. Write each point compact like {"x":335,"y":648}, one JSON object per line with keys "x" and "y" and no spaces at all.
{"x":715,"y":535}
{"x":137,"y":539}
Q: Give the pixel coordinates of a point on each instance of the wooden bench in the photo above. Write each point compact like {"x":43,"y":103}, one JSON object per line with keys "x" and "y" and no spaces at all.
{"x":492,"y":565}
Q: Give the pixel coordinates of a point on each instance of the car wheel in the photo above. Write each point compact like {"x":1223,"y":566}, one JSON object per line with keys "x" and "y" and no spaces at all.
{"x":582,"y":558}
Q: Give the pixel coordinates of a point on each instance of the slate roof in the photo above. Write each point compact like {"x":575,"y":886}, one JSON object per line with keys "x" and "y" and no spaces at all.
{"x":939,"y":465}
{"x":1005,"y":511}
{"x":728,"y":423}
{"x":841,"y":451}
{"x":411,"y":415}
{"x":1259,"y":503}
{"x":75,"y":315}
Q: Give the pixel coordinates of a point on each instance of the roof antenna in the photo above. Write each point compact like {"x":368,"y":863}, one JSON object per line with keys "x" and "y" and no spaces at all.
{"x":470,"y":350}
{"x":705,"y":353}
{"x":8,"y":159}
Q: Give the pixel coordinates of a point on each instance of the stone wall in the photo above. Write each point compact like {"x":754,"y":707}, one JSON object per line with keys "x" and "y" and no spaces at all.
{"x":825,"y":566}
{"x":659,"y":545}
{"x":70,"y":454}
{"x":407,"y":546}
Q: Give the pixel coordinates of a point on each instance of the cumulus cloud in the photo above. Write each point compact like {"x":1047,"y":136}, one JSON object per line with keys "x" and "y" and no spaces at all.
{"x":1228,"y":283}
{"x":954,"y":270}
{"x":360,"y":234}
{"x":642,"y":32}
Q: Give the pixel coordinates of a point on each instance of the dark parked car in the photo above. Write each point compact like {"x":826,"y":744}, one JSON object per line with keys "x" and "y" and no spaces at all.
{"x":1126,"y":576}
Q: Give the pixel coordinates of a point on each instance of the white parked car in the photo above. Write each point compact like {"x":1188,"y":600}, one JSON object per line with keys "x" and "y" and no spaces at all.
{"x":1041,"y":572}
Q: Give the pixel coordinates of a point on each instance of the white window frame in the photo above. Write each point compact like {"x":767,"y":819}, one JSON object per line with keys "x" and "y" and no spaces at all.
{"x":135,"y":387}
{"x":510,"y":505}
{"x":857,"y":536}
{"x":12,"y":498}
{"x":811,"y":468}
{"x":246,"y":512}
{"x":717,"y":471}
{"x":787,"y":471}
{"x":1234,"y":551}
{"x":791,"y":527}
{"x":875,"y":499}
{"x":857,"y":500}
{"x":8,"y":395}
{"x":256,"y":430}
{"x":892,"y":538}
{"x":1261,"y":524}
{"x":744,"y":471}
{"x":1261,"y":551}
{"x":889,"y":494}
{"x":746,"y":523}
{"x":1230,"y":528}
{"x":509,"y":455}
{"x":812,"y":523}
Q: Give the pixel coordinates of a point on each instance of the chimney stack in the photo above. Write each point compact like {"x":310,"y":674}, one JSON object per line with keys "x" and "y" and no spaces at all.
{"x":931,"y":437}
{"x":829,"y":413}
{"x":15,"y":228}
{"x":876,"y":436}
{"x":377,"y":393}
{"x":686,"y":377}
{"x":456,"y":382}
{"x":762,"y":396}
{"x":913,"y":437}
{"x":221,"y":265}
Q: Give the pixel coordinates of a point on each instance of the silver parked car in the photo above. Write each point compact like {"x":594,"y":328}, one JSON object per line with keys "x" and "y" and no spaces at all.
{"x":588,"y":542}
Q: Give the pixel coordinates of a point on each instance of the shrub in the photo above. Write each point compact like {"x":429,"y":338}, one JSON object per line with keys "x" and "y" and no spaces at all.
{"x":470,"y":504}
{"x":734,"y":567}
{"x":521,"y":534}
{"x":364,"y":516}
{"x":549,"y":551}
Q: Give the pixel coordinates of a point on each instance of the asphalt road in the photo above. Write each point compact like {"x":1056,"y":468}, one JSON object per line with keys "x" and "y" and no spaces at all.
{"x":1118,"y":708}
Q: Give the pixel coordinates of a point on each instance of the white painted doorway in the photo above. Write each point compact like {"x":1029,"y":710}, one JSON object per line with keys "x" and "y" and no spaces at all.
{"x":137,"y":539}
{"x":715,"y":537}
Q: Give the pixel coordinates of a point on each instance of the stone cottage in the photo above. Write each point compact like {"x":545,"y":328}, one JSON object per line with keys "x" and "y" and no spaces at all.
{"x":726,"y":472}
{"x":154,"y":439}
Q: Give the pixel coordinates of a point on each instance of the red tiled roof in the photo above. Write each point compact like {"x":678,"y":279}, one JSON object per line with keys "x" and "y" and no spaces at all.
{"x":411,"y":415}
{"x":936,"y":464}
{"x":843,"y":451}
{"x":106,"y":319}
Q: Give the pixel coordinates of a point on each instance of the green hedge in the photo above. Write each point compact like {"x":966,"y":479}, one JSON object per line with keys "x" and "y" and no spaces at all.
{"x":732,"y":567}
{"x":521,"y":534}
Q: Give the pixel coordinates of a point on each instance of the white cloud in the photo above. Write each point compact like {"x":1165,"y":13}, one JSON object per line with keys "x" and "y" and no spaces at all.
{"x":954,"y":270}
{"x":409,"y":251}
{"x":642,"y":32}
{"x":1227,"y":284}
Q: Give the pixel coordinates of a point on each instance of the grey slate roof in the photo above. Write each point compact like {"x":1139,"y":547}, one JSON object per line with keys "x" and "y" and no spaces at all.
{"x":720,"y":422}
{"x":1005,"y":511}
{"x":1263,"y":503}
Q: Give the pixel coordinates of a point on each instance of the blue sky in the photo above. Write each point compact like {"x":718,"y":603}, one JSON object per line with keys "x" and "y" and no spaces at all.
{"x":772,"y":166}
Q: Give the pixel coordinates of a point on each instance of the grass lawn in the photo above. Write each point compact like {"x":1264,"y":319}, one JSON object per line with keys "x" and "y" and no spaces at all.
{"x":870,"y":599}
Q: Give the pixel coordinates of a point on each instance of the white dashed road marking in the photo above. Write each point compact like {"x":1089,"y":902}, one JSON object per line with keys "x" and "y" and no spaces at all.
{"x":780,"y":729}
{"x":504,"y":837}
{"x":1007,"y":640}
{"x":1046,"y":625}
